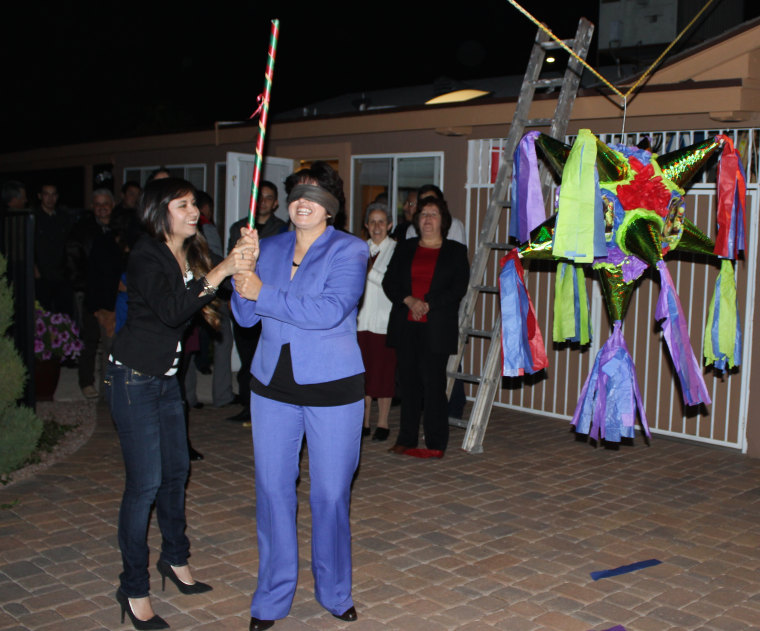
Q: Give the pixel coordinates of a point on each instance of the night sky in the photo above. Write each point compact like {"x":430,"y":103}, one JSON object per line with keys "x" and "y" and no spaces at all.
{"x":76,"y":72}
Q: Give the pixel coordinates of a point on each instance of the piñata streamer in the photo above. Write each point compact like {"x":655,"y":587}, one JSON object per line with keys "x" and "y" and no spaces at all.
{"x":610,"y":397}
{"x":522,"y":344}
{"x":263,"y":111}
{"x":723,"y":335}
{"x":579,"y":231}
{"x":571,"y":312}
{"x":528,"y":210}
{"x":732,"y":194}
{"x":676,"y":333}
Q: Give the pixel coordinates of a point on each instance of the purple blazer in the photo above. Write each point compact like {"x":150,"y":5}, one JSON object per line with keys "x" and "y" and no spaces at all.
{"x":315,"y":312}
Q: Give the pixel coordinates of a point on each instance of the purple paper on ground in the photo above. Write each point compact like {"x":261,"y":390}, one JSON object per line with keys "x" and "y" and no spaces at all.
{"x":624,"y":569}
{"x":618,"y":627}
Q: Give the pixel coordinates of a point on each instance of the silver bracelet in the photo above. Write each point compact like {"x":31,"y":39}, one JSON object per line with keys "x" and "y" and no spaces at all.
{"x":208,"y":288}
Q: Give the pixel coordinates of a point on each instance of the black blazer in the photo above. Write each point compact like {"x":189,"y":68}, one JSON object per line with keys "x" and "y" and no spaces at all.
{"x":447,"y":288}
{"x":159,"y":307}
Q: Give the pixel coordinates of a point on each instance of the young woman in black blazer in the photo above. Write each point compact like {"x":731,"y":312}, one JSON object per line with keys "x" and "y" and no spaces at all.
{"x":169,"y":279}
{"x":426,"y":279}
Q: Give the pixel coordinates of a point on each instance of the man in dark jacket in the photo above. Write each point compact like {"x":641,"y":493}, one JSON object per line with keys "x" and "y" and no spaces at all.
{"x":97,"y":263}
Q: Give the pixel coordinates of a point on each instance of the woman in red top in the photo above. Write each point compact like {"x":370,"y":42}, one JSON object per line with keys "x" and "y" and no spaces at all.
{"x":426,"y":280}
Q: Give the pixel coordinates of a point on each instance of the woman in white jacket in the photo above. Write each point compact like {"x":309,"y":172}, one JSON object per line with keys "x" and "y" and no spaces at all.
{"x":372,"y":325}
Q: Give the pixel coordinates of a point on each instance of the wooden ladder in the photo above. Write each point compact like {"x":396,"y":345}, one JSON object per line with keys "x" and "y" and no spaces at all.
{"x":490,"y":380}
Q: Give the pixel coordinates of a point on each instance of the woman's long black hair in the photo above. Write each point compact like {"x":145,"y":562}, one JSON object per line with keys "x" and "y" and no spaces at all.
{"x":154,"y":215}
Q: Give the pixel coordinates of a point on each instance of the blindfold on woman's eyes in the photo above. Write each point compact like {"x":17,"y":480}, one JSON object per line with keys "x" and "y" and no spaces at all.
{"x":315,"y":194}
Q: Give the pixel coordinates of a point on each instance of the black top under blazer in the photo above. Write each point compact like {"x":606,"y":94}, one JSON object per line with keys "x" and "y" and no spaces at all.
{"x":447,"y":288}
{"x":159,"y":306}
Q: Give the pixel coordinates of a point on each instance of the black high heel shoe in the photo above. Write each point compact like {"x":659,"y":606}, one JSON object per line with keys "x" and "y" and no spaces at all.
{"x":167,"y":571}
{"x":260,"y":625}
{"x":156,"y":622}
{"x":349,"y":615}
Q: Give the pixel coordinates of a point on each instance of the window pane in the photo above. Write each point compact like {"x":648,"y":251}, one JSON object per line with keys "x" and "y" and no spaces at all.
{"x":372,"y":177}
{"x":413,"y":173}
{"x":196,"y":175}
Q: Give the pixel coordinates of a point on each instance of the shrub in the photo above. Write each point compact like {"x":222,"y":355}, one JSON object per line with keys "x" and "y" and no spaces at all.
{"x":13,"y":373}
{"x":20,"y":430}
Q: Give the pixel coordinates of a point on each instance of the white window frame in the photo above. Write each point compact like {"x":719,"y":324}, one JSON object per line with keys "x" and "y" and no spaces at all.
{"x":392,"y":198}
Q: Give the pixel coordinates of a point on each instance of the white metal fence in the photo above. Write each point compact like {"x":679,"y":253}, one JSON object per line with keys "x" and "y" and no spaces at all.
{"x":555,"y":391}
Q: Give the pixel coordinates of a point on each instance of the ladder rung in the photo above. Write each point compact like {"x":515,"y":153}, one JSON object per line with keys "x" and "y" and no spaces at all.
{"x":552,"y":45}
{"x":477,"y":332}
{"x":539,"y":122}
{"x":458,"y":422}
{"x":498,"y":245}
{"x":463,"y":376}
{"x":487,"y":289}
{"x":548,"y":83}
{"x":504,"y":203}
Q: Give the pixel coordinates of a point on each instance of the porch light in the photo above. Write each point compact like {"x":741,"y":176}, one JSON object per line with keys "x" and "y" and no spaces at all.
{"x":457,"y":96}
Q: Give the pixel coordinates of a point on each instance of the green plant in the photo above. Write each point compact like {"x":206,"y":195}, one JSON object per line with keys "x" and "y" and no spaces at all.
{"x":20,"y":428}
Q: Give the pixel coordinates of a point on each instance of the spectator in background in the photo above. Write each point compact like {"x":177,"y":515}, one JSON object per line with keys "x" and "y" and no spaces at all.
{"x":426,"y":279}
{"x":410,"y":205}
{"x":372,"y":323}
{"x":51,"y":231}
{"x":104,"y":266}
{"x":456,"y":232}
{"x":130,"y":197}
{"x":127,"y":207}
{"x":14,"y":195}
{"x":246,"y":339}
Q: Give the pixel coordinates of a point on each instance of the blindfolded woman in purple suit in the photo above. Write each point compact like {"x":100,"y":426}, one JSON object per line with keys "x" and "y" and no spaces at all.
{"x":307,"y":380}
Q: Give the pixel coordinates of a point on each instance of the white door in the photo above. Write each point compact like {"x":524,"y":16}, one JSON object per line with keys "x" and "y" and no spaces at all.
{"x":239,"y":176}
{"x":238,"y":193}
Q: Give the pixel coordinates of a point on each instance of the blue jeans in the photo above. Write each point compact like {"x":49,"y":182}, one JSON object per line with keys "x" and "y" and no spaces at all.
{"x":149,"y":418}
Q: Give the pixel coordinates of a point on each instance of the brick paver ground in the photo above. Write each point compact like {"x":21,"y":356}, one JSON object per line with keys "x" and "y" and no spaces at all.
{"x":502,"y":540}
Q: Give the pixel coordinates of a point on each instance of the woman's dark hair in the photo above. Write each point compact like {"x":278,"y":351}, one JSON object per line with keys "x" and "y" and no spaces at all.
{"x":326,"y":177}
{"x":425,"y":191}
{"x":154,"y":204}
{"x":202,"y":198}
{"x":159,"y":170}
{"x":443,"y":209}
{"x":154,"y":214}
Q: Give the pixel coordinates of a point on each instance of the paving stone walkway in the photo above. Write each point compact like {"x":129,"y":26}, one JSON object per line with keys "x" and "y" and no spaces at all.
{"x":502,"y":540}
